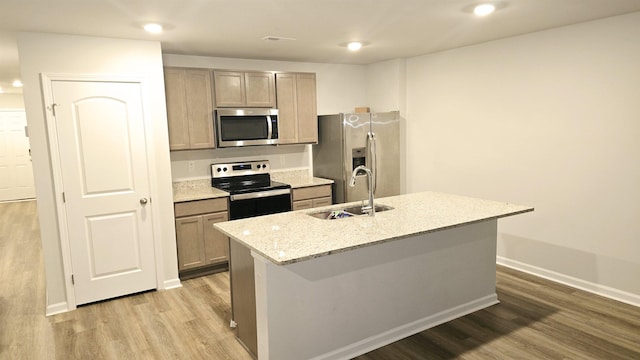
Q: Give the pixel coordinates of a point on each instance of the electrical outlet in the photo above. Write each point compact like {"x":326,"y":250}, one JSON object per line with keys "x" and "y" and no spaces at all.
{"x":192,"y":166}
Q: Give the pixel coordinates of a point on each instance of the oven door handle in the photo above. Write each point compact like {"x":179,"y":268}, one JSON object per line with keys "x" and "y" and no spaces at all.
{"x":260,"y":194}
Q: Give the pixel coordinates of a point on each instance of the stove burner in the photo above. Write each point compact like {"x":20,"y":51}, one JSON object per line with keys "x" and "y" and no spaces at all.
{"x":252,"y":192}
{"x":238,"y":178}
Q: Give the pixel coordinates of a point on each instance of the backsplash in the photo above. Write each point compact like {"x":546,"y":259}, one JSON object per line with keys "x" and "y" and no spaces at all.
{"x":196,"y":164}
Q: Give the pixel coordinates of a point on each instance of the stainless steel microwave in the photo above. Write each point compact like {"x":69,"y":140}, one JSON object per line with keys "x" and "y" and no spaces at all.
{"x":246,"y":127}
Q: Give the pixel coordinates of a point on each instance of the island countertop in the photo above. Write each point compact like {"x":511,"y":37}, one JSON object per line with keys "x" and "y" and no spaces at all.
{"x":291,"y":237}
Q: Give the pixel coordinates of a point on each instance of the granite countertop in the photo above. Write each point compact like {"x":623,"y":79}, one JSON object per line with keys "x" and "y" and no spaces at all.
{"x":299,"y":178}
{"x":290,"y":237}
{"x":195,"y":190}
{"x":201,"y":189}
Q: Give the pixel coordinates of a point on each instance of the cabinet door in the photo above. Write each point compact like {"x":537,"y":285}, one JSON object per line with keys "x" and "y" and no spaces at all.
{"x":189,"y":241}
{"x":174,"y":82}
{"x":229,"y":88}
{"x":311,"y":192}
{"x":216,"y":244}
{"x":199,"y":108}
{"x":287,"y":108}
{"x":307,"y":108}
{"x":260,"y":89}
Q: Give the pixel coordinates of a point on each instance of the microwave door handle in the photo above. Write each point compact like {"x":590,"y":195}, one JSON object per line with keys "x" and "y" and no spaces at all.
{"x":269,"y":127}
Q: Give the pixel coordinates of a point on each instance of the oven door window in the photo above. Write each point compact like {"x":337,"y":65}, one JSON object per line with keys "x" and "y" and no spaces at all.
{"x":240,"y":209}
{"x":238,"y":128}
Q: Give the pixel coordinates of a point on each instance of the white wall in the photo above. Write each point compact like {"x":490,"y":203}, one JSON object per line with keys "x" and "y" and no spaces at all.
{"x":62,"y":54}
{"x":11,"y":101}
{"x":340,"y":88}
{"x":386,"y":85}
{"x":549,"y":119}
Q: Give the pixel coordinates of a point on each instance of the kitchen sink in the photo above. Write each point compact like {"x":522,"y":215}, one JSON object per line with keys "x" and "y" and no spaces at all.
{"x":341,"y":213}
{"x":357,"y":210}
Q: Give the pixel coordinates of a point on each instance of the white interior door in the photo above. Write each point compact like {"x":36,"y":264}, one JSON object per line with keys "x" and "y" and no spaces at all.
{"x":16,"y":174}
{"x":101,"y":143}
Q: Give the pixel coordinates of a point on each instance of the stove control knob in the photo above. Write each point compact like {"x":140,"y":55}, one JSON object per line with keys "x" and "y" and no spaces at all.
{"x":264,"y":166}
{"x":224,"y":169}
{"x":218,"y":169}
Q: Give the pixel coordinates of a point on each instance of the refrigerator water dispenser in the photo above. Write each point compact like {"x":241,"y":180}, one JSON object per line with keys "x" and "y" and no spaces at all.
{"x":358,"y":156}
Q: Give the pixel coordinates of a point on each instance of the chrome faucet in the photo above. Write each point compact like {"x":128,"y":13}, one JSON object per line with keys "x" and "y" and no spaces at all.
{"x":369,"y":209}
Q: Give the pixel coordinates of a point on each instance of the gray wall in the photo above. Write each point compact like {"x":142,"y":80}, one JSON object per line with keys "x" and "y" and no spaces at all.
{"x":549,"y":119}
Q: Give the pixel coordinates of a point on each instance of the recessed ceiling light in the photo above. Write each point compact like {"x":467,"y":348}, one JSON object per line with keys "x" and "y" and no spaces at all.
{"x":354,"y":45}
{"x":153,"y":28}
{"x":484,"y":9}
{"x":1,"y":91}
{"x":17,"y":83}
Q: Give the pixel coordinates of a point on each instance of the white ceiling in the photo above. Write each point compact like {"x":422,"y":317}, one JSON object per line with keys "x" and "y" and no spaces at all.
{"x":235,"y":28}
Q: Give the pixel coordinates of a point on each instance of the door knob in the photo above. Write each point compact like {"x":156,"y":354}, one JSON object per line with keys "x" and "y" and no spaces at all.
{"x":144,"y":201}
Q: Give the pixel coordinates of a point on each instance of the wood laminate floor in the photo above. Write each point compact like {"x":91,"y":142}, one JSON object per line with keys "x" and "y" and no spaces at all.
{"x":536,"y":319}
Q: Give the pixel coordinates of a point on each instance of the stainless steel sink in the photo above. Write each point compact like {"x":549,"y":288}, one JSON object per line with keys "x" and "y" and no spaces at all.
{"x":357,"y":210}
{"x":341,"y":213}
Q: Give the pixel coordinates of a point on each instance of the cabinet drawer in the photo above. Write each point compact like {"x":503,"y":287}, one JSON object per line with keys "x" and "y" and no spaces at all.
{"x":325,"y":201}
{"x":302,"y":204}
{"x":311,"y":192}
{"x":200,"y":207}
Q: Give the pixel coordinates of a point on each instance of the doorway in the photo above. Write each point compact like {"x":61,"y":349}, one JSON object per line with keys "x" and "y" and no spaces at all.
{"x":98,"y":145}
{"x":16,"y":174}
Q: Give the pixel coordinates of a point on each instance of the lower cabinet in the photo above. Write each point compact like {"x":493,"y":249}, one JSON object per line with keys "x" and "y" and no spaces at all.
{"x":200,"y":246}
{"x":310,"y":197}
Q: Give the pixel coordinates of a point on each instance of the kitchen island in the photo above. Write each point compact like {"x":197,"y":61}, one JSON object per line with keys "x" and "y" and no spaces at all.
{"x":335,"y":289}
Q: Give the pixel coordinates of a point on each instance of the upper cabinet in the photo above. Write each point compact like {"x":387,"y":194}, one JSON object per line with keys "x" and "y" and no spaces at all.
{"x":244,"y":89}
{"x":189,"y":108}
{"x":297,"y":108}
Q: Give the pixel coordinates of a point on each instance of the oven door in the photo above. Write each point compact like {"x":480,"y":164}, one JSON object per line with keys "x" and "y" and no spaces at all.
{"x":259,"y":203}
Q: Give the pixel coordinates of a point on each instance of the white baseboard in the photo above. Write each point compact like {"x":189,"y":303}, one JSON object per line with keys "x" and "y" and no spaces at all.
{"x":374,"y":342}
{"x":171,"y":284}
{"x":57,"y":308}
{"x":602,"y":290}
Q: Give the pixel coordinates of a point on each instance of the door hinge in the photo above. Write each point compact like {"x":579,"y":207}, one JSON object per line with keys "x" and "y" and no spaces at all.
{"x":73,"y":281}
{"x":52,"y":107}
{"x":64,"y":199}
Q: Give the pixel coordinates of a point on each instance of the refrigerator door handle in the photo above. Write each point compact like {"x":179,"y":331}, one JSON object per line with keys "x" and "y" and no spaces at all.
{"x":373,"y":158}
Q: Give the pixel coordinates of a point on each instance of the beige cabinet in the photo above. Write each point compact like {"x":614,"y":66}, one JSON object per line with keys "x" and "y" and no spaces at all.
{"x":189,"y":108}
{"x":244,"y":89}
{"x":310,"y":197}
{"x":297,"y":108}
{"x":199,"y":244}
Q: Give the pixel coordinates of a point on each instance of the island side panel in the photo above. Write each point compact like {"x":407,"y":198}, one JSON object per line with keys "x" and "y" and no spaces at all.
{"x":343,"y":305}
{"x":243,"y":305}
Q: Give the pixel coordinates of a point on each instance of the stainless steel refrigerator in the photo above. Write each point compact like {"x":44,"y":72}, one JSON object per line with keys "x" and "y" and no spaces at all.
{"x":348,"y":140}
